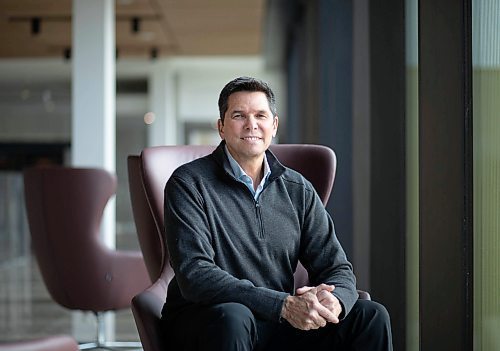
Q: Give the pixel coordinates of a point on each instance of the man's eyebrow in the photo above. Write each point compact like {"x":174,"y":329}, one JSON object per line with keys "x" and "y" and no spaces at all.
{"x":242,"y":111}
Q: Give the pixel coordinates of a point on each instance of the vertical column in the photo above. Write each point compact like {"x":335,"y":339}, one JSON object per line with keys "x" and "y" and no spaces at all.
{"x":387,"y":161}
{"x":446,"y":182}
{"x":163,"y":103}
{"x":93,"y":99}
{"x":93,"y":111}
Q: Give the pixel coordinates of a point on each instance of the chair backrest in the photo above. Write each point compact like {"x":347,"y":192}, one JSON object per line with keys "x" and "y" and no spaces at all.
{"x":317,"y":163}
{"x":64,"y":208}
{"x":150,"y":239}
{"x":157,"y":165}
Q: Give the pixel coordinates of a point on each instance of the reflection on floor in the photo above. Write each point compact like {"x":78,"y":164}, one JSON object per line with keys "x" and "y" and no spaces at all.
{"x":27,"y":311}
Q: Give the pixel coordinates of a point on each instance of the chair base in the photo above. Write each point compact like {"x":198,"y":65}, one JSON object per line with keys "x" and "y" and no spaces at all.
{"x":111,"y":345}
{"x":103,"y":344}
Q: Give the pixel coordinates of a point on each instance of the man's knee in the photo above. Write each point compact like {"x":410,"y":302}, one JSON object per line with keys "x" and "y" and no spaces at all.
{"x":232,"y":322}
{"x":372,"y":323}
{"x":371,"y":311}
{"x":369,"y":326}
{"x":233,"y":316}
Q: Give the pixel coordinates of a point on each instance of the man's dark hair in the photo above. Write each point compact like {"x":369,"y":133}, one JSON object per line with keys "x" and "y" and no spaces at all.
{"x":245,"y":84}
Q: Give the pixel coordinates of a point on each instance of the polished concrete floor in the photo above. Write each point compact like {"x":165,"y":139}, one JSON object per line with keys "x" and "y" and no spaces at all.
{"x":27,"y":311}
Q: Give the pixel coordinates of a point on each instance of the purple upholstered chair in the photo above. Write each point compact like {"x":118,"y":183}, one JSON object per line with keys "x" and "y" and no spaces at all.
{"x":65,"y":207}
{"x":148,"y":174}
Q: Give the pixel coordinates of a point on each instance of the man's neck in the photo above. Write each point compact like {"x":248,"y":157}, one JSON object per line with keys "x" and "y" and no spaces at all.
{"x":253,"y":167}
{"x":254,"y":170}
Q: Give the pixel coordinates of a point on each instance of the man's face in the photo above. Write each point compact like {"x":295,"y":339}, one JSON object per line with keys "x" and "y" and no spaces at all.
{"x":249,"y":125}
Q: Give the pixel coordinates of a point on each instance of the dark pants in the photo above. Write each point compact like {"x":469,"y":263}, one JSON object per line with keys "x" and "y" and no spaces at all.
{"x":232,"y":326}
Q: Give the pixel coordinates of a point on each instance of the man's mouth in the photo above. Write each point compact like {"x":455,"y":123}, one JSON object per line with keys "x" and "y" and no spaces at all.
{"x":251,"y":138}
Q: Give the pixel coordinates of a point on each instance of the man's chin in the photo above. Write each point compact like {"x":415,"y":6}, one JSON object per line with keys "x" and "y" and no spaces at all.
{"x":254,"y":151}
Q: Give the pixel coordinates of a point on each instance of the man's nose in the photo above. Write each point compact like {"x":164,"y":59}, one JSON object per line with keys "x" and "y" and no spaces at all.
{"x":251,"y":122}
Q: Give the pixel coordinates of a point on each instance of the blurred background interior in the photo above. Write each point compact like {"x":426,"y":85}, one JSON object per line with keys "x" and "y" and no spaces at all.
{"x":405,"y":92}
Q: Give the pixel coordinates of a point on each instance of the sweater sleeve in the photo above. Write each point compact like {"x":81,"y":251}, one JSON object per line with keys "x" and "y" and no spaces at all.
{"x":323,"y":256}
{"x":189,"y":243}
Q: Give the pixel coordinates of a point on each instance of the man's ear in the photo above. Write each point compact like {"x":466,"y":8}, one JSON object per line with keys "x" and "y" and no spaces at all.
{"x":220,"y":128}
{"x":275,"y":124}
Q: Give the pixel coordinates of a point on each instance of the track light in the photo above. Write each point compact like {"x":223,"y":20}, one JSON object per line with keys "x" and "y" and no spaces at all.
{"x":67,"y":54}
{"x":136,"y":25}
{"x":153,"y":53}
{"x":35,"y":25}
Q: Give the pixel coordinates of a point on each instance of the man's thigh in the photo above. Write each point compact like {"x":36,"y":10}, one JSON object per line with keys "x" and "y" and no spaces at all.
{"x":282,"y":336}
{"x":212,"y":327}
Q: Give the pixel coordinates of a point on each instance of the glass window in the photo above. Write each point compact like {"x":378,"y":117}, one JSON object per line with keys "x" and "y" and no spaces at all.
{"x":486,"y":129}
{"x":412,"y":228}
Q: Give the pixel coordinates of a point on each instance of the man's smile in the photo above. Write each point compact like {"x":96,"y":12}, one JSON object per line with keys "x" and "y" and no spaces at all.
{"x":251,"y":138}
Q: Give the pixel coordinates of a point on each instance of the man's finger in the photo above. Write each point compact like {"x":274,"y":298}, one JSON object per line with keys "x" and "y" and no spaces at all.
{"x":303,"y":290}
{"x":324,"y":295}
{"x":326,"y":314}
{"x":326,"y":287}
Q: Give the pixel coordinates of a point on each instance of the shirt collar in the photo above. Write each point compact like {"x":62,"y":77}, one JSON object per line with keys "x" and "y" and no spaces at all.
{"x":239,"y":173}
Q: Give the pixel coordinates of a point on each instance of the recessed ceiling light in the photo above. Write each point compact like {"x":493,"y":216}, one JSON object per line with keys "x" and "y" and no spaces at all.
{"x":149,"y":118}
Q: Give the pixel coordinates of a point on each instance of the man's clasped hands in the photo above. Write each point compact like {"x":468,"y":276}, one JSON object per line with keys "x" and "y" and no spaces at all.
{"x":312,"y":307}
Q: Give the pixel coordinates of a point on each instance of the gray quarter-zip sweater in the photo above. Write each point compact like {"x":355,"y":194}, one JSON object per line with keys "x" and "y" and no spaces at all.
{"x":227,"y":247}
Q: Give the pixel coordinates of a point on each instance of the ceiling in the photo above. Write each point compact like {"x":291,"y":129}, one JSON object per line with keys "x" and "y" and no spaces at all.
{"x":144,"y":28}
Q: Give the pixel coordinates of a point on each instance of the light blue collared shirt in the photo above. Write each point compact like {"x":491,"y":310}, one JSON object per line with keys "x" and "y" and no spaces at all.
{"x":241,"y":176}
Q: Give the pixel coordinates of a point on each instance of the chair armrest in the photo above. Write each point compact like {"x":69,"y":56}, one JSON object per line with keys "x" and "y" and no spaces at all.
{"x":363,"y":295}
{"x":146,"y":308}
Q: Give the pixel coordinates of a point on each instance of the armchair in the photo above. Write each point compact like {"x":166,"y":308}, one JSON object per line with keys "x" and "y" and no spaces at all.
{"x":148,"y":174}
{"x":65,"y":207}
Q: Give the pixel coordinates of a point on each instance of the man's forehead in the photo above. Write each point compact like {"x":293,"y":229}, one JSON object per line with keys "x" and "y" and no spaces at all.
{"x":245,"y":98}
{"x":243,"y":93}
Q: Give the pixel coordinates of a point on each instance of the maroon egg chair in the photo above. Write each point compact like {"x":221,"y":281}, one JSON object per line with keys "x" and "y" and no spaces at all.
{"x":65,"y":207}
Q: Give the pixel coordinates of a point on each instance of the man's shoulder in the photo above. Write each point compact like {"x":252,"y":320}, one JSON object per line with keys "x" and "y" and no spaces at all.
{"x":199,"y":168}
{"x":296,"y":179}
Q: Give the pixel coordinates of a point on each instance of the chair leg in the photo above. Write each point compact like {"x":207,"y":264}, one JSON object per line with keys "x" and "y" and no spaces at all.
{"x":101,"y":328}
{"x":102,"y":343}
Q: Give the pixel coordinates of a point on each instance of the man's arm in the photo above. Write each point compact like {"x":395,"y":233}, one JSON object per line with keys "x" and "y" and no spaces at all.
{"x":325,"y":260}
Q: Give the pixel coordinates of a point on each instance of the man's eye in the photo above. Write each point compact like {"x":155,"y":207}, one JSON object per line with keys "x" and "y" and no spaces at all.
{"x":237,"y":116}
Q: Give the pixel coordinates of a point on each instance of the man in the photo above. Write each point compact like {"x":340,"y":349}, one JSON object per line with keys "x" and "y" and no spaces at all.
{"x":238,"y":222}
